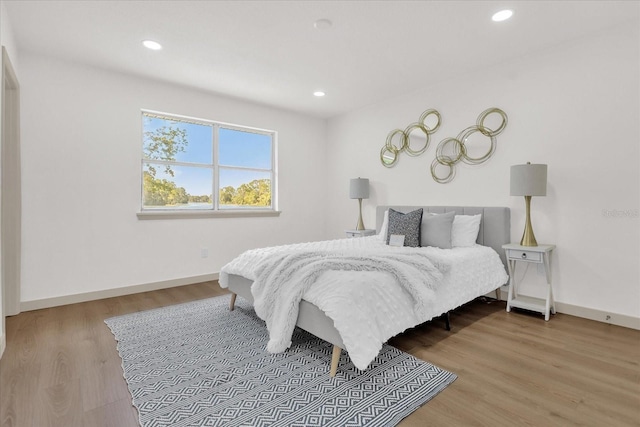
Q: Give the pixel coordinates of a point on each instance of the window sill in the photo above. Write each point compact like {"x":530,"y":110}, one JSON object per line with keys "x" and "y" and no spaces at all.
{"x":205,"y":214}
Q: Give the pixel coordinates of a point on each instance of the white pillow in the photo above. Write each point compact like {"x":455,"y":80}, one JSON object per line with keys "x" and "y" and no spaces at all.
{"x":464,"y":231}
{"x":385,"y":225}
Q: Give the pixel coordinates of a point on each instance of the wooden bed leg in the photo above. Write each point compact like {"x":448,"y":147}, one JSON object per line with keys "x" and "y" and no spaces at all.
{"x":335,"y":358}
{"x":447,"y":320}
{"x":498,"y":294}
{"x":232,"y":303}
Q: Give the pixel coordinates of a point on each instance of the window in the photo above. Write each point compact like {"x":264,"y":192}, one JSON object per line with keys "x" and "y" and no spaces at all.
{"x":200,"y":165}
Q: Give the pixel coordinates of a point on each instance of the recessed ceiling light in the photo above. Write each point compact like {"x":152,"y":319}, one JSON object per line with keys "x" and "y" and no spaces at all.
{"x":318,"y":93}
{"x":502,"y":15}
{"x":150,"y":44}
{"x":322,"y":24}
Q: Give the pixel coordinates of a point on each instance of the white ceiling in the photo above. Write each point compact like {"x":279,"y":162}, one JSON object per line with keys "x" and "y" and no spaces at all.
{"x":269,"y":51}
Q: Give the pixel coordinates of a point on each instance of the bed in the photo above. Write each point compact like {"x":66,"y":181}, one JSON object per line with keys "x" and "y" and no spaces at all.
{"x":463,"y":266}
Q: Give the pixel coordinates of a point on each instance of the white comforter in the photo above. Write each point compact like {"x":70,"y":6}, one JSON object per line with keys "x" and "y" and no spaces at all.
{"x":370,"y":290}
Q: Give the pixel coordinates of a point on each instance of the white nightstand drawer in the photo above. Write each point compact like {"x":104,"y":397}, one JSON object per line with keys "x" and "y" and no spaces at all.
{"x":530,"y":256}
{"x":360,"y":233}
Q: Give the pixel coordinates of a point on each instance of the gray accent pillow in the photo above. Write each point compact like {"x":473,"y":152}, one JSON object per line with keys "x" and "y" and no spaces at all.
{"x":436,"y":230}
{"x":407,"y":225}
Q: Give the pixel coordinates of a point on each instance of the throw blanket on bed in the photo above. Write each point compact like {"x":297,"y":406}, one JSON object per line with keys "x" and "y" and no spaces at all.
{"x":282,"y":280}
{"x":282,"y":275}
{"x":368,"y":303}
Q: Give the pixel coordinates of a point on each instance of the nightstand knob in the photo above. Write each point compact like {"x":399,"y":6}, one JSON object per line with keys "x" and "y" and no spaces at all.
{"x":524,"y":255}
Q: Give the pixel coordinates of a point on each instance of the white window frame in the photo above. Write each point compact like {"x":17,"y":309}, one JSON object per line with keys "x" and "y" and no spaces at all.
{"x":216,"y":210}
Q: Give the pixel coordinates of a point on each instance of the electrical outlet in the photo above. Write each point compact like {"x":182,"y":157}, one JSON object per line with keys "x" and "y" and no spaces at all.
{"x":204,"y":252}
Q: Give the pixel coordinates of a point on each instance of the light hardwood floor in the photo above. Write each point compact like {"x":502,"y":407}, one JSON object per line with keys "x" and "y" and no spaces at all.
{"x":61,"y":367}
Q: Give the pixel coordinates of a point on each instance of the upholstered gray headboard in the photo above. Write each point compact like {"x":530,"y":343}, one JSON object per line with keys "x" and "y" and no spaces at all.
{"x":495,"y":227}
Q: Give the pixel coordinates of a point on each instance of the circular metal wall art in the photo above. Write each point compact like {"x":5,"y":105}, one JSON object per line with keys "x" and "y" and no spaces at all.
{"x":485,"y":130}
{"x":464,"y":136}
{"x":450,"y":151}
{"x":423,"y":118}
{"x":460,"y":150}
{"x":444,"y":161}
{"x":407,"y":133}
{"x":388,"y":157}
{"x":399,"y":141}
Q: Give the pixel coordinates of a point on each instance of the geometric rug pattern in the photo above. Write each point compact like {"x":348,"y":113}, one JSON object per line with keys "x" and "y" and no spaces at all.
{"x":199,"y":364}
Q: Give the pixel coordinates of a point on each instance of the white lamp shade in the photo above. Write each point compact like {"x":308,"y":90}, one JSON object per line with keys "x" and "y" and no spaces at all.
{"x":359,"y":188}
{"x":529,"y":180}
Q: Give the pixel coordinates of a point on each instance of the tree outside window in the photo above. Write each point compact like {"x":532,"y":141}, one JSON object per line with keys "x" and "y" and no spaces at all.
{"x":197,"y":164}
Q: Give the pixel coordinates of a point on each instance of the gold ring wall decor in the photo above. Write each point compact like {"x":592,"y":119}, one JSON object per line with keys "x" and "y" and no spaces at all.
{"x":388,"y":157}
{"x":450,"y":151}
{"x":464,"y":136}
{"x":460,"y":152}
{"x":399,"y":140}
{"x":483,"y":116}
{"x":408,"y":131}
{"x":442,"y":162}
{"x":427,"y":113}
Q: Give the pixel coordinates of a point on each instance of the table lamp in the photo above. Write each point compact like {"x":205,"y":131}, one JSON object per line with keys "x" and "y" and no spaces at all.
{"x":528,"y":180}
{"x":359,"y":189}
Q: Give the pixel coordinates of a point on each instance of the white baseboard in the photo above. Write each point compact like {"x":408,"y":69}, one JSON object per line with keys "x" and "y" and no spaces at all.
{"x":599,"y":315}
{"x":117,"y":292}
{"x":589,"y":313}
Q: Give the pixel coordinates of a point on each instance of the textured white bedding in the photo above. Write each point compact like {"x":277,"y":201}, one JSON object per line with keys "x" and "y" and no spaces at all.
{"x":369,"y":307}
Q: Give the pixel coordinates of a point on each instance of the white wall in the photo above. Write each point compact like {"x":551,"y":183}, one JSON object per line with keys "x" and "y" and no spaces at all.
{"x":574,"y":107}
{"x":6,"y":40}
{"x":81,"y":142}
{"x":6,"y":36}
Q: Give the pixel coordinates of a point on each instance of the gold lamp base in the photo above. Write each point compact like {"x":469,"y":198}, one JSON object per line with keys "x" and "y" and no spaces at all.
{"x":360,"y":225}
{"x":528,"y":238}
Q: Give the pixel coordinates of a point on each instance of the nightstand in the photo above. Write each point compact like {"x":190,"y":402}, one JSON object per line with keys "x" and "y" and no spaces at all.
{"x":537,"y":255}
{"x":360,"y":233}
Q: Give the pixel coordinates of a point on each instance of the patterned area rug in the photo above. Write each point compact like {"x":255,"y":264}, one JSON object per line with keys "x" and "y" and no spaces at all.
{"x":198,"y":364}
